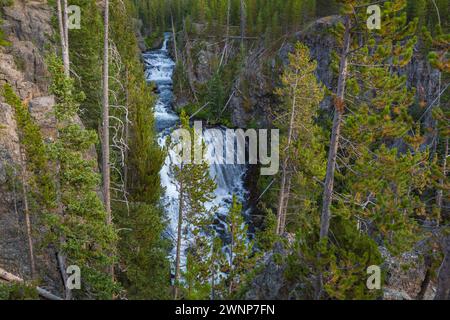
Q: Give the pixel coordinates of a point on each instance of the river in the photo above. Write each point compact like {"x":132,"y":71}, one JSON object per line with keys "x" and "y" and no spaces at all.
{"x":229,"y":178}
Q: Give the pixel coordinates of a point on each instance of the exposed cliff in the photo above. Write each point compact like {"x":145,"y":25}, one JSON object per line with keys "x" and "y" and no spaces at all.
{"x":252,"y":100}
{"x":27,"y":25}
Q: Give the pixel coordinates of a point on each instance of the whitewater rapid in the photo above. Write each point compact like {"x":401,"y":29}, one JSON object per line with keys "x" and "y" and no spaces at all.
{"x":229,"y":178}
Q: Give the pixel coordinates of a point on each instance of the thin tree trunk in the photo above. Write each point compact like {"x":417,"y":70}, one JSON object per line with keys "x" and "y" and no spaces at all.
{"x":127,"y":133}
{"x":440,"y":193}
{"x":227,"y":38}
{"x":61,"y":258}
{"x":63,"y":34}
{"x":66,"y":57}
{"x":243,"y":22}
{"x":335,"y":135}
{"x":286,"y":202}
{"x":174,"y":39}
{"x":27,"y":217}
{"x":283,"y":199}
{"x":105,"y":127}
{"x":230,"y":288}
{"x":190,"y":72}
{"x":179,"y":235}
{"x":334,"y":144}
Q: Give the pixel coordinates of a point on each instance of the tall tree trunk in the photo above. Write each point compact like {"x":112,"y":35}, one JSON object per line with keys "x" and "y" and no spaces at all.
{"x":335,"y":135}
{"x":63,"y":24}
{"x":174,"y":39}
{"x":440,"y":193}
{"x":190,"y":71}
{"x":285,"y":203}
{"x":339,"y":105}
{"x":227,"y":38}
{"x":243,"y":22}
{"x":66,"y":56}
{"x":63,"y":34}
{"x":179,"y":235}
{"x":232,"y":231}
{"x":105,"y":128}
{"x":27,"y":217}
{"x":283,"y":199}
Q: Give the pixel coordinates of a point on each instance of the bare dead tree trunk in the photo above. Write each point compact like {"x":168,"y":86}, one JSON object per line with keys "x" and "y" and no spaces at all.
{"x":61,"y":258}
{"x":174,"y":39}
{"x":339,"y":105}
{"x":283,"y":198}
{"x":190,"y":72}
{"x":227,"y":38}
{"x":335,"y":135}
{"x":27,"y":217}
{"x":285,"y":203}
{"x":179,"y":235}
{"x":127,"y":133}
{"x":440,"y":193}
{"x":66,"y":56}
{"x":232,"y":231}
{"x":243,"y":22}
{"x":105,"y":127}
{"x":63,"y":24}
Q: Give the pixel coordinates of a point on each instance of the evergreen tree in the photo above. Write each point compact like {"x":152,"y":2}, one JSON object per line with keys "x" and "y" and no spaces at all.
{"x":240,"y":255}
{"x":88,"y":242}
{"x":86,"y":63}
{"x":196,"y":191}
{"x":302,"y":151}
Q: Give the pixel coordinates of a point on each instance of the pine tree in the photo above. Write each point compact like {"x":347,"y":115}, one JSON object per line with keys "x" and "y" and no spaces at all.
{"x":377,"y":186}
{"x":240,"y":255}
{"x":88,"y":242}
{"x":86,"y":60}
{"x":196,"y":190}
{"x":301,"y":96}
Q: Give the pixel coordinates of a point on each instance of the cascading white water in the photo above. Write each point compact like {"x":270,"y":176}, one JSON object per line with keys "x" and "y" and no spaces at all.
{"x":229,"y":178}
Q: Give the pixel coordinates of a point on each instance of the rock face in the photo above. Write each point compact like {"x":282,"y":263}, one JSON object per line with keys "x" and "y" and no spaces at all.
{"x":405,"y":276}
{"x":253,"y":100}
{"x":270,"y":283}
{"x":27,"y":25}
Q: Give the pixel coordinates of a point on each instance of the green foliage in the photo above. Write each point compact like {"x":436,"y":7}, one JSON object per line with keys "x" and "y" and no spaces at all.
{"x":196,"y":191}
{"x":302,"y":142}
{"x":264,"y":17}
{"x":35,"y":150}
{"x":240,"y":255}
{"x":143,"y":252}
{"x":267,"y":237}
{"x":88,"y":241}
{"x":3,"y":41}
{"x":381,"y":184}
{"x":18,"y":291}
{"x":86,"y":49}
{"x":343,"y":262}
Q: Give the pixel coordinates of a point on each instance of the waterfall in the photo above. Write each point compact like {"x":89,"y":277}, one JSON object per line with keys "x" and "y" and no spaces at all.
{"x":229,"y":178}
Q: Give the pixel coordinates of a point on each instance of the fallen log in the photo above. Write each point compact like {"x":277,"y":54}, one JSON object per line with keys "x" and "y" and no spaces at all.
{"x":9,"y":277}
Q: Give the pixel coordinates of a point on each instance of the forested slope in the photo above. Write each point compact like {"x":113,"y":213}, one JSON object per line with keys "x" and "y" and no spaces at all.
{"x":363,"y":180}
